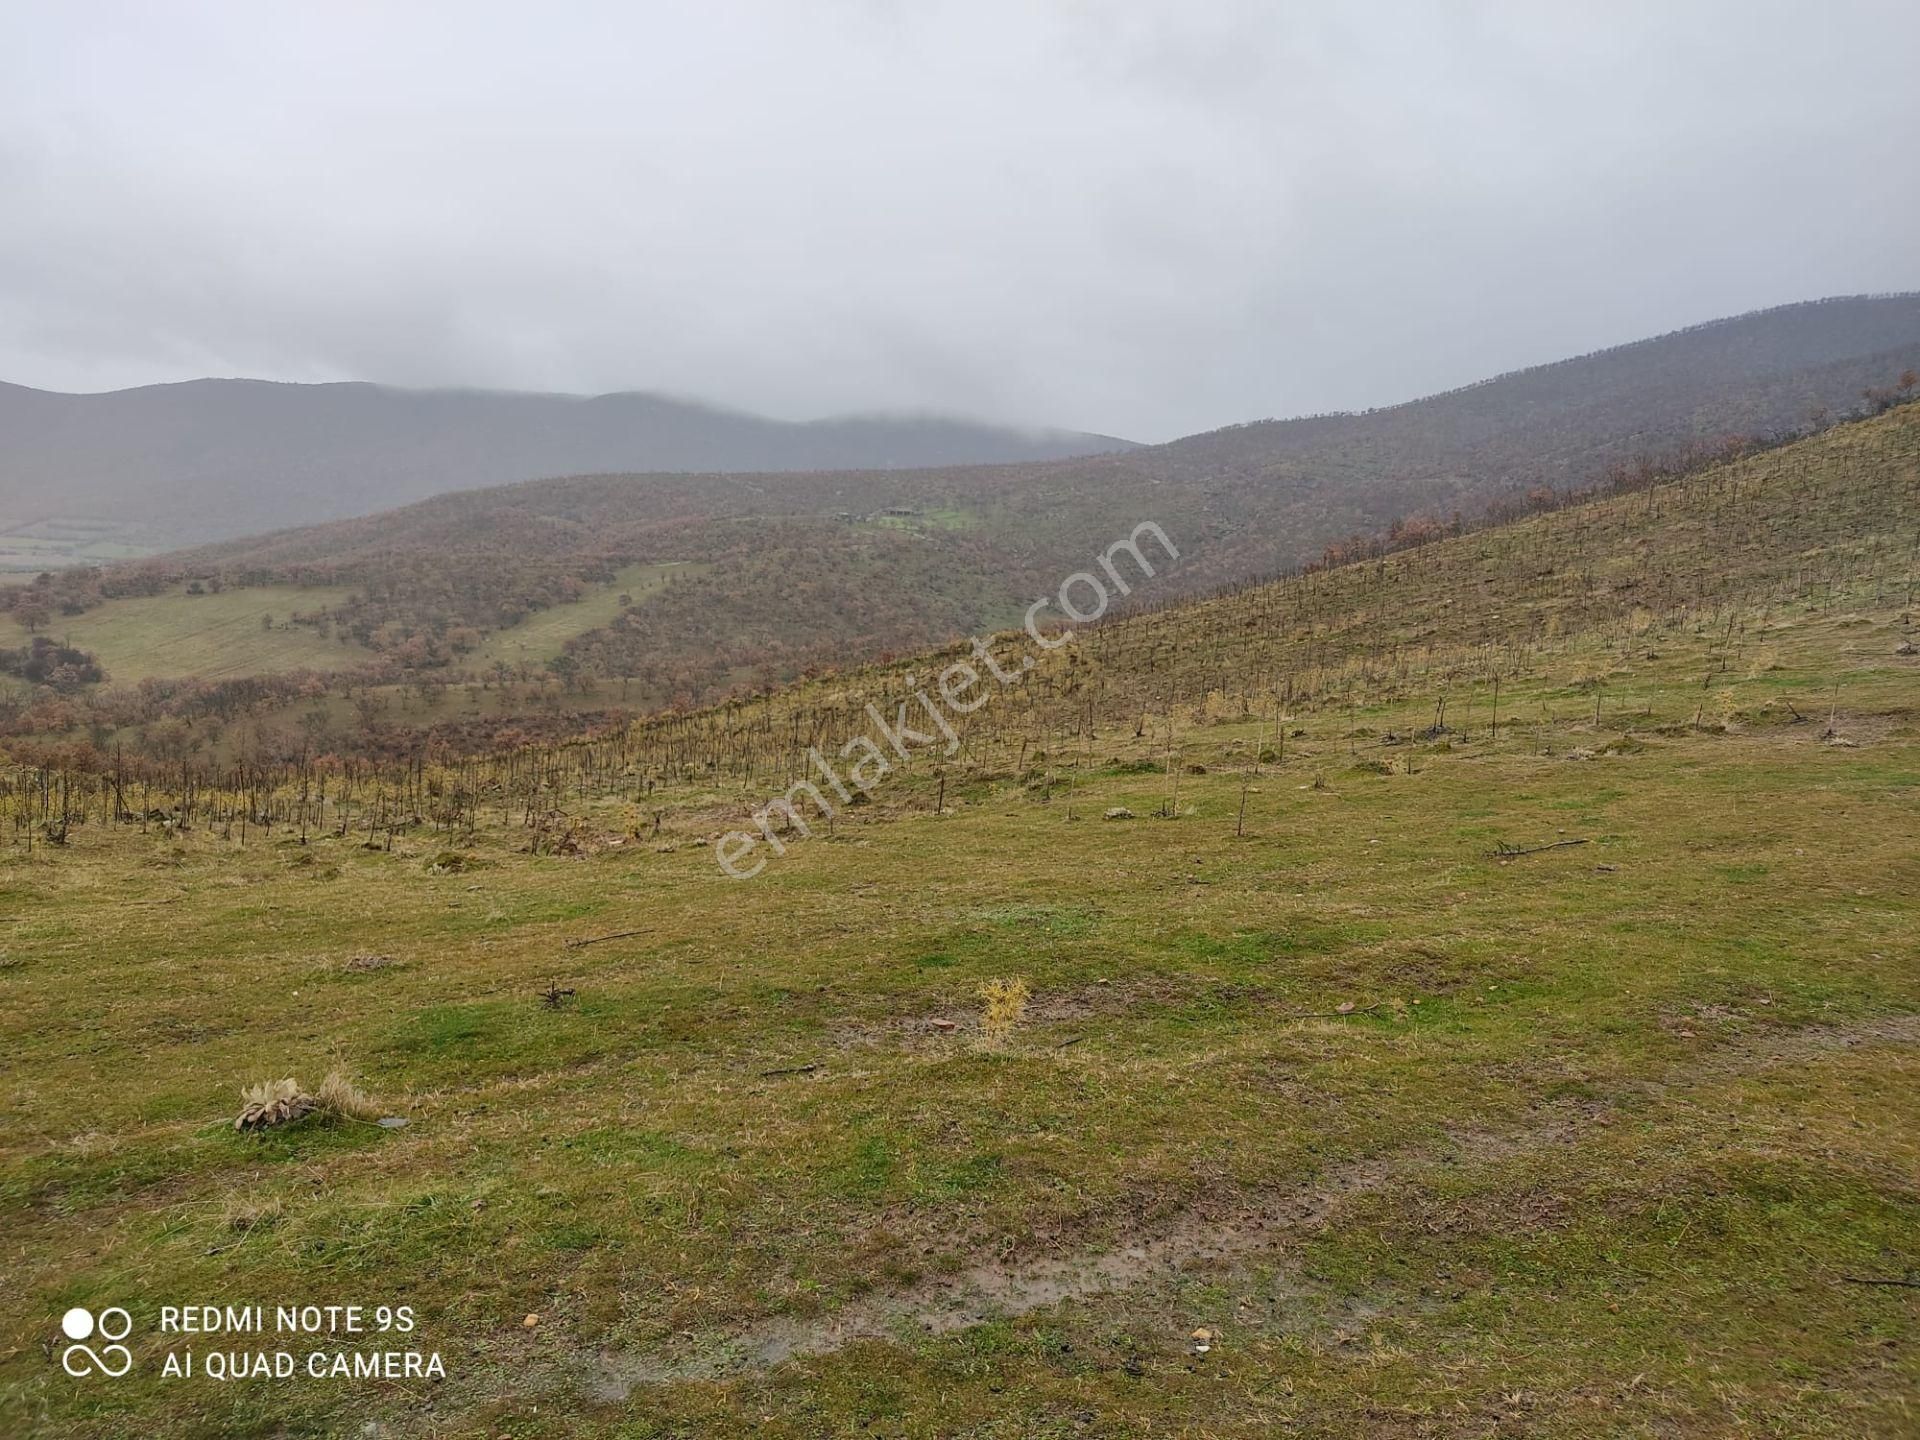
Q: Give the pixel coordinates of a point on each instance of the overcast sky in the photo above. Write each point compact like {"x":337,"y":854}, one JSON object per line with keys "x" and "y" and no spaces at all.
{"x":1145,"y":219}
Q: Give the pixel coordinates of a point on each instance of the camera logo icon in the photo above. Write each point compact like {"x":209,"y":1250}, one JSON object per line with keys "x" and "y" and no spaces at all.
{"x":112,"y":1325}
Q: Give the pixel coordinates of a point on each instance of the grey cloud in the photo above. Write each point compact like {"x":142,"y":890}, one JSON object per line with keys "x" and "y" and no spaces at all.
{"x":1128,"y":217}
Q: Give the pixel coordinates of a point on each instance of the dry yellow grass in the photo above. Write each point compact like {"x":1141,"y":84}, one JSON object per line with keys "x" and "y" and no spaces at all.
{"x":1003,"y":1006}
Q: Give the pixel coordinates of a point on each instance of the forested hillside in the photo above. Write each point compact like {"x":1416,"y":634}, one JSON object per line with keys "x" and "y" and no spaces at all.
{"x":762,"y":578}
{"x":792,"y":550}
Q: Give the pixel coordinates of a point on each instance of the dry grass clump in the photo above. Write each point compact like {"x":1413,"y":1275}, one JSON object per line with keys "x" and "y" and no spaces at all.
{"x":340,"y":1097}
{"x":282,"y":1102}
{"x":1005,"y":1006}
{"x":273,"y":1102}
{"x":244,"y":1214}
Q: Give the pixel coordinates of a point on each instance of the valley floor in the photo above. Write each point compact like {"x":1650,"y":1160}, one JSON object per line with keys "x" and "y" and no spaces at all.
{"x":1563,"y":1082}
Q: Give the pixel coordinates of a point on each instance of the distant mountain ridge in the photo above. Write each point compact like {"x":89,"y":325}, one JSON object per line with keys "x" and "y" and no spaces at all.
{"x":791,"y":571}
{"x":1740,"y":375}
{"x":212,"y":459}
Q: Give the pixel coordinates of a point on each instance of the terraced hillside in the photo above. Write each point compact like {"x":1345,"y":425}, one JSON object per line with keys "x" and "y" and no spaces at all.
{"x":1467,"y":992}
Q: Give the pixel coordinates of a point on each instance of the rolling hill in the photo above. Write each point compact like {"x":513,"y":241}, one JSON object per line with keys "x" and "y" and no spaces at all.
{"x":1465,"y":992}
{"x":766,"y":577}
{"x":168,"y":465}
{"x":811,"y":568}
{"x":1558,"y":425}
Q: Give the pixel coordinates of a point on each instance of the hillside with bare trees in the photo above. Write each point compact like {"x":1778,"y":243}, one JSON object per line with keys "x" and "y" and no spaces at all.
{"x":515,"y":600}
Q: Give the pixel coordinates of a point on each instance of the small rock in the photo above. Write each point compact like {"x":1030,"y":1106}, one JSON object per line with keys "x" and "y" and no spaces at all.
{"x":1118,"y":812}
{"x":944,"y":1024}
{"x":530,"y":1322}
{"x":1345,"y":1007}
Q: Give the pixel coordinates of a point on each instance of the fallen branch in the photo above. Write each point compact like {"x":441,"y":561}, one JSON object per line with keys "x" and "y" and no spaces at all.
{"x":789,"y":1070}
{"x":597,"y":939}
{"x":1909,"y":1284}
{"x":1070,"y":1040}
{"x":1507,"y":852}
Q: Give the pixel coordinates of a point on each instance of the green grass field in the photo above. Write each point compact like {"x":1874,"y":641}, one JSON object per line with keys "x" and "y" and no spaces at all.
{"x":214,"y":636}
{"x":1593,"y":1141}
{"x":220,"y":636}
{"x":544,"y":634}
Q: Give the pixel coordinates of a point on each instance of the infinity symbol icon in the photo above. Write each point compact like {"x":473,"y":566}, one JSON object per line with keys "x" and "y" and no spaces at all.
{"x":102,"y":1362}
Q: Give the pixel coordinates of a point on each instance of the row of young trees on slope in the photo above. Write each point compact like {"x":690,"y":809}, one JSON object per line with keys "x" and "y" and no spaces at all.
{"x":1790,"y":526}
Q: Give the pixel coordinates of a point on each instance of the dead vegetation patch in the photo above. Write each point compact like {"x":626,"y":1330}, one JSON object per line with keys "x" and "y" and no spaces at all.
{"x":274,"y":1103}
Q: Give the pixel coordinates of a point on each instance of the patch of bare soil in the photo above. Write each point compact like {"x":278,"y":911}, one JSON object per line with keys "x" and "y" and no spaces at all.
{"x":1261,"y":1228}
{"x":1819,"y":725}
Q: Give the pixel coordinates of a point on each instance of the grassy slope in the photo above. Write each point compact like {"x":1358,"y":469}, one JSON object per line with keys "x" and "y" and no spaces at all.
{"x":219,"y":636}
{"x":1607,"y":1127}
{"x":212,"y":637}
{"x":544,"y":634}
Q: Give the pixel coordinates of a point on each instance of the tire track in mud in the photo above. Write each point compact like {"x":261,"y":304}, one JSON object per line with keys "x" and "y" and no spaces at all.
{"x":1005,"y":1290}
